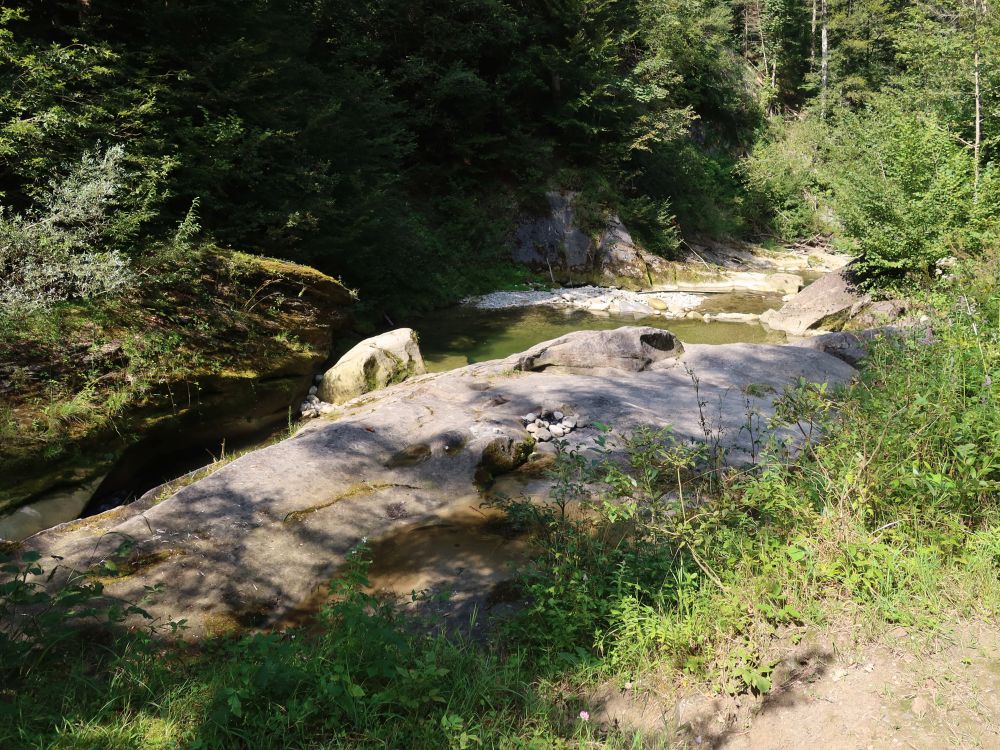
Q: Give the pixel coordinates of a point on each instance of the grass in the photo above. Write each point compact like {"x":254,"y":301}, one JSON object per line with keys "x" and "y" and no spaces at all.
{"x":891,"y":519}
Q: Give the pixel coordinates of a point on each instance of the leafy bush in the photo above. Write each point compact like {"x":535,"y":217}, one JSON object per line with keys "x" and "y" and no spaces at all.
{"x":905,"y":194}
{"x":70,"y":245}
{"x":786,"y":190}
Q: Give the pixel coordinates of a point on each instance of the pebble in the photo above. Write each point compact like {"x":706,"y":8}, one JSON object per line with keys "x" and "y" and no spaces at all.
{"x":569,"y":423}
{"x":313,"y":390}
{"x":557,"y":431}
{"x":558,"y":415}
{"x":530,"y":417}
{"x":543,"y":435}
{"x":533,"y":427}
{"x":319,"y":378}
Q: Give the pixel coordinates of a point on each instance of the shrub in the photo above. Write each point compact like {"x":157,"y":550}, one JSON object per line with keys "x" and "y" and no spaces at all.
{"x":905,"y":194}
{"x":69,"y":246}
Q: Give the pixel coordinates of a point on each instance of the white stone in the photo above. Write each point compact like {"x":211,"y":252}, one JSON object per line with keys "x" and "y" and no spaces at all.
{"x":543,"y":436}
{"x":558,"y":415}
{"x":532,"y":427}
{"x":531,"y":417}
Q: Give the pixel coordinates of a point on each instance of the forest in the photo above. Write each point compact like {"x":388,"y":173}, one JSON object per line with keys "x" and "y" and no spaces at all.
{"x":371,"y":138}
{"x":159,"y":159}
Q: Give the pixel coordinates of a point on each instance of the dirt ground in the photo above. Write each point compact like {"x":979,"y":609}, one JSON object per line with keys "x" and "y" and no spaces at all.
{"x":905,"y":691}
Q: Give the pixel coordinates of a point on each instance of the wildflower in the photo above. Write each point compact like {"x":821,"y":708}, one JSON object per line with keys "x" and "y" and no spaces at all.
{"x":585,"y":716}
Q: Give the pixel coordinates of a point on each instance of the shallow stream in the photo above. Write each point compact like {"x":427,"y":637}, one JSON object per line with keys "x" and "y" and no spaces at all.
{"x":457,"y":336}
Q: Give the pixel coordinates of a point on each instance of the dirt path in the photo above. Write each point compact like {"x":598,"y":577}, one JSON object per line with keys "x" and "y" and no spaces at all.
{"x":909,"y":691}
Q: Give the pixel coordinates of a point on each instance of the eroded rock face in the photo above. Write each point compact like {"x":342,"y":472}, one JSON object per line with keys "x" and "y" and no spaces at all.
{"x":373,"y":364}
{"x":554,"y":241}
{"x":248,"y":544}
{"x":200,"y":407}
{"x":825,"y":304}
{"x":632,"y":349}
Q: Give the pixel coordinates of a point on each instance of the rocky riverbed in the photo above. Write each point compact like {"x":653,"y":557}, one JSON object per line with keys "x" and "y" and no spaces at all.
{"x":252,"y":543}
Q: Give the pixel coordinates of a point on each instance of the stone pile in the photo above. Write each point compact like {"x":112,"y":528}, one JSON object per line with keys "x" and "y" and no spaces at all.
{"x":548,"y":425}
{"x":313,"y":406}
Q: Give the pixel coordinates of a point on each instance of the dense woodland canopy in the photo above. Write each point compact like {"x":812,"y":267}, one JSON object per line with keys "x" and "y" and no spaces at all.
{"x":371,"y":138}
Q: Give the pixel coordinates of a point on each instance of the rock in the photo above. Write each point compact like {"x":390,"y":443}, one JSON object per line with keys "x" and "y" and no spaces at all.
{"x":825,"y":304}
{"x":530,"y":417}
{"x":638,"y":309}
{"x":250,"y":543}
{"x":553,"y":241}
{"x":313,"y":390}
{"x":557,"y":431}
{"x":600,"y":306}
{"x":785,"y":283}
{"x":569,"y":422}
{"x":532,"y":427}
{"x":373,"y":364}
{"x":737,"y":317}
{"x":632,"y":348}
{"x":557,"y":415}
{"x":193,"y":413}
{"x":656,"y":303}
{"x":848,"y":346}
{"x":879,"y":313}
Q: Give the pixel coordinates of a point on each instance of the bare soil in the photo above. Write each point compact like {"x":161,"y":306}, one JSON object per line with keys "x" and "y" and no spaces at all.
{"x":904,"y":691}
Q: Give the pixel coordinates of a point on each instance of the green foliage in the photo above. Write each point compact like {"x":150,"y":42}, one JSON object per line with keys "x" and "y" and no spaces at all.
{"x":906,"y":194}
{"x":69,"y":247}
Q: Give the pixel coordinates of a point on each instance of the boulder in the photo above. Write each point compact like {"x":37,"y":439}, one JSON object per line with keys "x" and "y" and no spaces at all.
{"x":631,"y":307}
{"x":845,"y":346}
{"x":825,"y":304}
{"x":852,"y":346}
{"x":785,"y":283}
{"x":555,"y":243}
{"x":200,"y":407}
{"x":631,"y":348}
{"x":657,"y":304}
{"x":879,"y":313}
{"x":373,"y":364}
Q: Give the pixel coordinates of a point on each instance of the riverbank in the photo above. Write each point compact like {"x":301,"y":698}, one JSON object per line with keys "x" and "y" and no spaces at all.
{"x":95,"y":394}
{"x":783,"y":596}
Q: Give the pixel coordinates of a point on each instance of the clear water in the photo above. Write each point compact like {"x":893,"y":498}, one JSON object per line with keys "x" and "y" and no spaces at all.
{"x":462,"y":335}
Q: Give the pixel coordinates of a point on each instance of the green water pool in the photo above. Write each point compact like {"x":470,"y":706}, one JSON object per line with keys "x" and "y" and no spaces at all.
{"x":464,"y":335}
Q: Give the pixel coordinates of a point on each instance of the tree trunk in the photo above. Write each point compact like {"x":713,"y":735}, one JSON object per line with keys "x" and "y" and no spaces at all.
{"x":977,"y":143}
{"x":824,"y":59}
{"x":812,"y":40}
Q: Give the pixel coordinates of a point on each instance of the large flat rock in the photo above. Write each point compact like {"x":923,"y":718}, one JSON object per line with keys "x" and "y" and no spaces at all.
{"x":250,"y":543}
